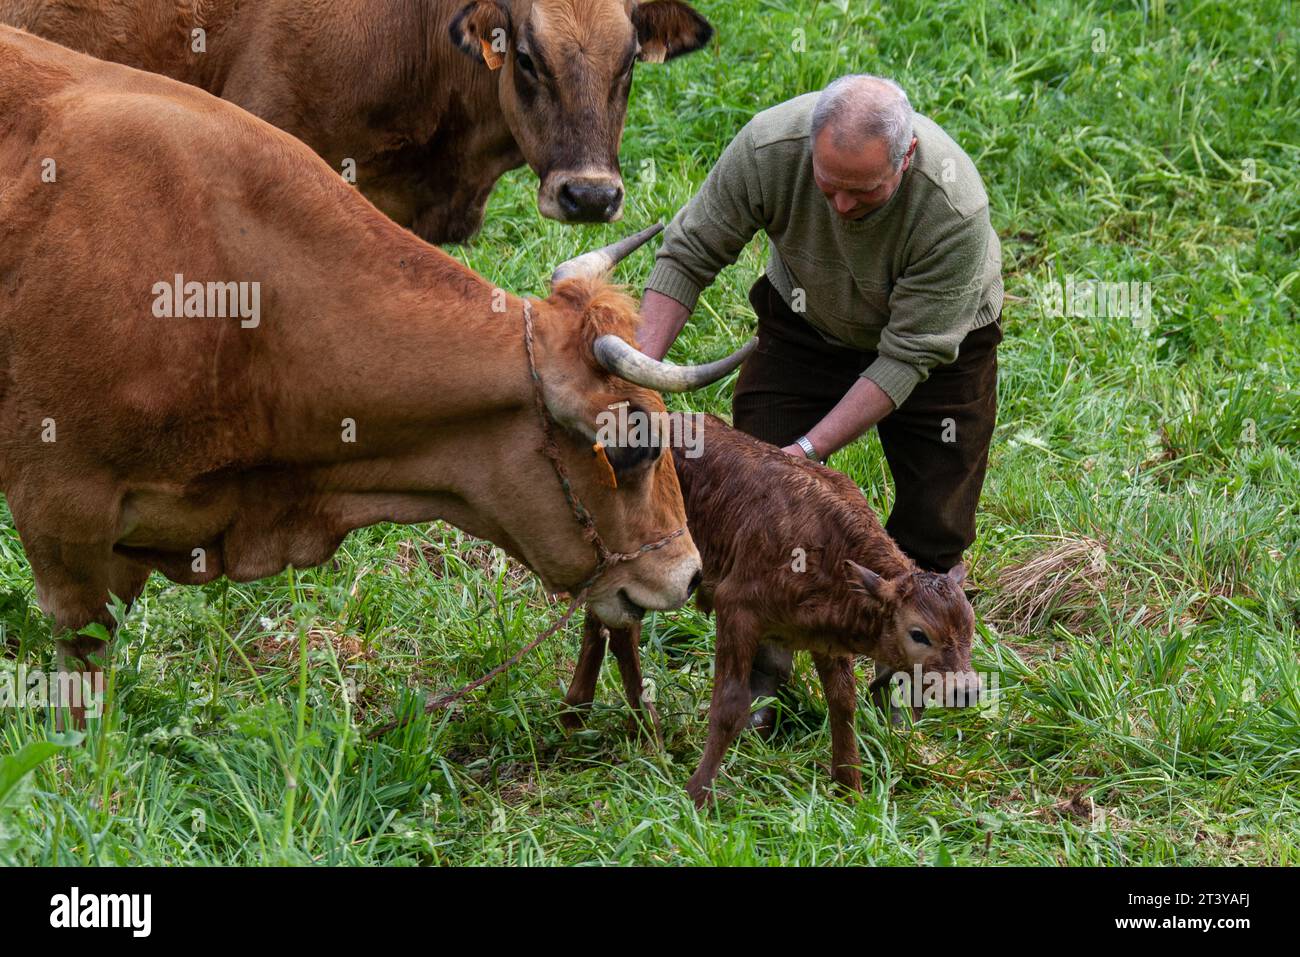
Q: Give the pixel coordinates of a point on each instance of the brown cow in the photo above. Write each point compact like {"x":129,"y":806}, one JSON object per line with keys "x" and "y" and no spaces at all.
{"x":385,"y":87}
{"x":374,"y":378}
{"x":793,"y":553}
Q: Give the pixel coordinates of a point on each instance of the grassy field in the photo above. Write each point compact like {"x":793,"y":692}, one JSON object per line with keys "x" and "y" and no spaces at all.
{"x":1139,"y":588}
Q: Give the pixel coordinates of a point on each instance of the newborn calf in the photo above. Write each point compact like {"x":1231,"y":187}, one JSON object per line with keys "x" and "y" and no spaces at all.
{"x":793,"y":553}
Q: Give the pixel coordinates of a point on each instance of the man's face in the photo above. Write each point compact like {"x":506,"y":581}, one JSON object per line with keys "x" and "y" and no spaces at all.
{"x":856,"y":182}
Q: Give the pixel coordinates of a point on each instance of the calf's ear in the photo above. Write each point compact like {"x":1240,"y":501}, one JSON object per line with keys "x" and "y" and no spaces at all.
{"x":871,"y":583}
{"x":481,"y":30}
{"x":669,"y":28}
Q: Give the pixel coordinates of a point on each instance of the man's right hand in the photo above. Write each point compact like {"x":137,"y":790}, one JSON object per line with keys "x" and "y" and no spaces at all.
{"x":662,"y":318}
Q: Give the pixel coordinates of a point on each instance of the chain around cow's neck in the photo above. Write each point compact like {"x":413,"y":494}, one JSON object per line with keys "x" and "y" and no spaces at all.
{"x":605,"y":559}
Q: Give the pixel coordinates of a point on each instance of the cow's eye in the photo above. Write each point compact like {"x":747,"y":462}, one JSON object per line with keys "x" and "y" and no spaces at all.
{"x":628,"y":459}
{"x":918,"y":636}
{"x":525,"y":63}
{"x":633,"y":439}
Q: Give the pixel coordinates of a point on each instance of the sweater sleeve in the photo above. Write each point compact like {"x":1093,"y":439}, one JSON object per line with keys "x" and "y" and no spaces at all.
{"x":710,"y":231}
{"x":931,"y":308}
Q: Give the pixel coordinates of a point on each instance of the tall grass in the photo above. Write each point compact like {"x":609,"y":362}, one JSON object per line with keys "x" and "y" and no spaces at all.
{"x":1140,"y":591}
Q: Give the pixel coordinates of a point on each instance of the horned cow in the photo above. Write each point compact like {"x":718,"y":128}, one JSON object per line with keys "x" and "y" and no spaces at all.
{"x":383,"y":380}
{"x":427,"y":102}
{"x":792,"y":553}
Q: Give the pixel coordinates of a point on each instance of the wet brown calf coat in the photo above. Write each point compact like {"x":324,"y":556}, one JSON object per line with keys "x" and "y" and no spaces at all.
{"x":786,"y":546}
{"x":403,"y":90}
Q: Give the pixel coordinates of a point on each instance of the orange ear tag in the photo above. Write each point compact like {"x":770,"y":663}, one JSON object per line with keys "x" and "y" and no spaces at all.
{"x":608,"y":477}
{"x":490,"y":56}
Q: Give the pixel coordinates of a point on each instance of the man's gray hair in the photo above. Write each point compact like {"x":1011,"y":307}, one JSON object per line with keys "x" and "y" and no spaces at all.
{"x":860,"y":108}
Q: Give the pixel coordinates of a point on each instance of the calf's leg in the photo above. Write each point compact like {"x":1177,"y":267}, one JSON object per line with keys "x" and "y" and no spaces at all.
{"x":773,"y":665}
{"x":836,"y":673}
{"x":737,"y":640}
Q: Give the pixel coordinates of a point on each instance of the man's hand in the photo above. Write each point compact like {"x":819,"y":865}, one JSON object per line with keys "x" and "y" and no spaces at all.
{"x":794,"y":451}
{"x":662,"y":318}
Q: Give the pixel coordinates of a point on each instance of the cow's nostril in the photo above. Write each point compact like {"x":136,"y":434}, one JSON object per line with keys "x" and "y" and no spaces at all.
{"x":589,"y":202}
{"x":568,"y":200}
{"x":695,"y":583}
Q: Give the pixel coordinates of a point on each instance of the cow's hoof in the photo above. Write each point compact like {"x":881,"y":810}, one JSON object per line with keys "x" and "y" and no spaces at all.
{"x":572,"y":719}
{"x":644,"y":725}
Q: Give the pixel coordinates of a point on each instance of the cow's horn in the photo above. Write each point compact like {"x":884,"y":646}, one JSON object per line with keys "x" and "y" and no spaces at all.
{"x":599,"y":262}
{"x":617,"y":356}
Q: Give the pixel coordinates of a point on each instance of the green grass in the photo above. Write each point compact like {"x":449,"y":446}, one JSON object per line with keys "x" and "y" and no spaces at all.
{"x":1144,"y":483}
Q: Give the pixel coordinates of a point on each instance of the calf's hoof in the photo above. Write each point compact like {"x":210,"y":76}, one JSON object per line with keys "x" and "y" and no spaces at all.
{"x":848,"y":784}
{"x":763,"y":721}
{"x":701,"y":792}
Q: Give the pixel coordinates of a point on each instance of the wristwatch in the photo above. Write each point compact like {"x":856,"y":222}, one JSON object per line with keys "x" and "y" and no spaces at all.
{"x":807,"y":447}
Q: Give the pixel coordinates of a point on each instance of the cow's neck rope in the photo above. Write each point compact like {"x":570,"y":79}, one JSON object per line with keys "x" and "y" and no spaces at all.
{"x":605,"y":559}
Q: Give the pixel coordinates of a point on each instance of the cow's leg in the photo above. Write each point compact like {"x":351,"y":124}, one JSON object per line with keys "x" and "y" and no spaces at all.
{"x":73,"y":584}
{"x":625,"y":643}
{"x":836,"y":673}
{"x":582,"y":689}
{"x":737,"y":640}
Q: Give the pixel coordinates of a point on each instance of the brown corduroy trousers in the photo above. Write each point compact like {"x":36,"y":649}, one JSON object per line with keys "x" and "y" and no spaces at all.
{"x":936,"y":443}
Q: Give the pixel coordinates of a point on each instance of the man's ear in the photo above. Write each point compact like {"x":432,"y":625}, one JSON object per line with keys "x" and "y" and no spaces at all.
{"x":481,"y":30}
{"x":669,"y":28}
{"x":871,"y":583}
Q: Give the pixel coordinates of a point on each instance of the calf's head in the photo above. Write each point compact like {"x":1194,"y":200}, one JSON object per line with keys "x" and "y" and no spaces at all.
{"x":928,"y":627}
{"x":565,"y":70}
{"x":610,"y":432}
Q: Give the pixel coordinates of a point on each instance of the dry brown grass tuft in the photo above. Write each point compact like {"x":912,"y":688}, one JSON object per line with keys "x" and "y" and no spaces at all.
{"x":1062,"y":583}
{"x":1067,"y":583}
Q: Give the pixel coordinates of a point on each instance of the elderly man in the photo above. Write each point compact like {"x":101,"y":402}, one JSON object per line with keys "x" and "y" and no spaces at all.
{"x":880,"y":306}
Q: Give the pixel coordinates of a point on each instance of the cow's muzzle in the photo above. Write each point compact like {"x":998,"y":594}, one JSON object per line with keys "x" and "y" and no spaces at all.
{"x":659,"y":586}
{"x":582,"y":197}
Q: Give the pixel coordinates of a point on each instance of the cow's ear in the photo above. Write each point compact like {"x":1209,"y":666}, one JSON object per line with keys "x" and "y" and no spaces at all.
{"x":868,"y":581}
{"x":481,"y":30}
{"x":669,"y":28}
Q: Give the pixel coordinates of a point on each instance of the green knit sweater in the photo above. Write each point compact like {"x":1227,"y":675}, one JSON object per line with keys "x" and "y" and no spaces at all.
{"x":907,"y":281}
